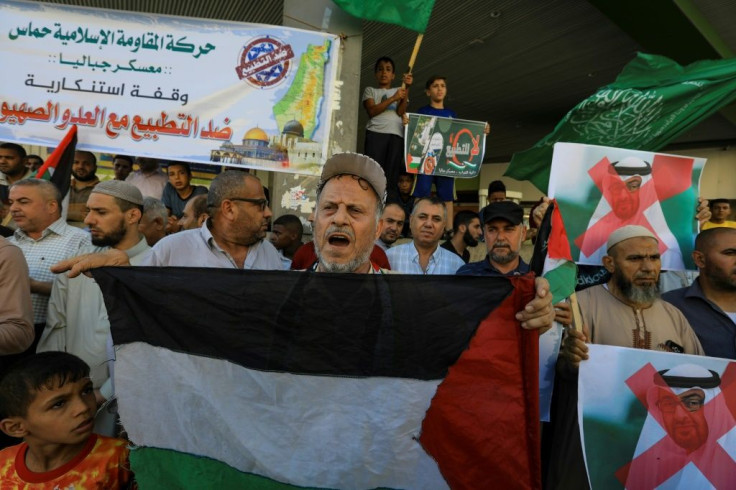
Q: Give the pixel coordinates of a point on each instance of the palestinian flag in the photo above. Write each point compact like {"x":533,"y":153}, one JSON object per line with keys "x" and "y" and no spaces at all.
{"x":412,"y":14}
{"x":58,"y":166}
{"x":652,"y":101}
{"x":552,"y":258}
{"x":413,"y":163}
{"x":270,"y":379}
{"x":601,"y":189}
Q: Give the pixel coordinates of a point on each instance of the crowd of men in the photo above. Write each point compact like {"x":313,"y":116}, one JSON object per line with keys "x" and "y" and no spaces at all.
{"x":148,"y":217}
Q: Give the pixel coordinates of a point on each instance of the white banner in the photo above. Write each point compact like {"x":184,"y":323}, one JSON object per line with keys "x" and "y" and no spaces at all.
{"x":175,"y":88}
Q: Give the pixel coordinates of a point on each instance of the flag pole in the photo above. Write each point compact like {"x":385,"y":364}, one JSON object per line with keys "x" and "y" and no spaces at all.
{"x":414,"y":53}
{"x":577,"y":317}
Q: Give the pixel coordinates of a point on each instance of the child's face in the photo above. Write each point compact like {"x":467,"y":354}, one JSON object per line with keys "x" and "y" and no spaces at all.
{"x":385,"y":74}
{"x":437,"y":91}
{"x":62,"y":415}
{"x":405,"y":183}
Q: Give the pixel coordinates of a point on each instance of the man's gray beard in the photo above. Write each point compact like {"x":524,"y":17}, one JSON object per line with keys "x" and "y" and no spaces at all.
{"x":349,"y":266}
{"x":504,"y":259}
{"x":642,"y":295}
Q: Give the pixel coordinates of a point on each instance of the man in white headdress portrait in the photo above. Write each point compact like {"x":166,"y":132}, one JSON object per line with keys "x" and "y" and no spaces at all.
{"x":689,"y":432}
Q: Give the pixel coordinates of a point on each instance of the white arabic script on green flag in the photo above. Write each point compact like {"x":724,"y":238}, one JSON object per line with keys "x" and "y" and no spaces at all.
{"x":444,"y":146}
{"x":652,"y":102}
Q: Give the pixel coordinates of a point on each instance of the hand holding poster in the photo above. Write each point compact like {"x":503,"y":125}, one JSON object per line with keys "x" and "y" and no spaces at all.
{"x":444,"y":146}
{"x":654,"y":419}
{"x":164,"y":87}
{"x":600,"y":189}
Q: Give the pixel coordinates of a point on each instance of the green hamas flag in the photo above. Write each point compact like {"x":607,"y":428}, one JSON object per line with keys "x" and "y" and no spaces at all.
{"x":412,"y":14}
{"x":653,"y":101}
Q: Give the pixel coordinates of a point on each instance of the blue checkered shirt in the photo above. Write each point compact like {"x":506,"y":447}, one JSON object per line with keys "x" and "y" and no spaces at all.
{"x":58,"y":241}
{"x":404,"y":258}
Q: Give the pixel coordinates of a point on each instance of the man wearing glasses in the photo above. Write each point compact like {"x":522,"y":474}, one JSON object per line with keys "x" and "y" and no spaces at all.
{"x":680,"y":403}
{"x":686,"y":401}
{"x":233,"y":236}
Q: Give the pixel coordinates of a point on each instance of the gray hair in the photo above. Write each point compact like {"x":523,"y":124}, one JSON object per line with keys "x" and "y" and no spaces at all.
{"x":154,"y":208}
{"x":435,"y":201}
{"x":363,"y":185}
{"x":199,"y":205}
{"x":46,"y":187}
{"x":227,"y":185}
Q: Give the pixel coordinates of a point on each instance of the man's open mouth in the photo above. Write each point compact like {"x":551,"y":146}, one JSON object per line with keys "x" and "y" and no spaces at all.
{"x":338,"y":240}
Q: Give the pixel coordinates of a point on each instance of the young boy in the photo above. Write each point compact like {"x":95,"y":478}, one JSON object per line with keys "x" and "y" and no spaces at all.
{"x":384,"y":133}
{"x":48,"y":400}
{"x":436,"y":90}
{"x":178,"y":191}
{"x":406,"y":200}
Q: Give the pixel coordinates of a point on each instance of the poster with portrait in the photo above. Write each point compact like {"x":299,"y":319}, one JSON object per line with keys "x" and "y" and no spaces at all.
{"x":657,"y":420}
{"x":600,"y":189}
{"x":196,"y":90}
{"x":444,"y":146}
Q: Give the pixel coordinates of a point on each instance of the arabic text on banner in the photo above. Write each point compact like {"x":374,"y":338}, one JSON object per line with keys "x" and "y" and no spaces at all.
{"x":195,"y":90}
{"x":444,"y":146}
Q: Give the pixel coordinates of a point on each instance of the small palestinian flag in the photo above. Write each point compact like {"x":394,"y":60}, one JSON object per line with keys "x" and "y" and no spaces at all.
{"x":412,"y":162}
{"x":270,"y":379}
{"x":552,"y":258}
{"x":58,"y":166}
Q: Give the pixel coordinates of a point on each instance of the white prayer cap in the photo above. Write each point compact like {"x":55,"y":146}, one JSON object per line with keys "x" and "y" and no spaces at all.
{"x":626,"y":232}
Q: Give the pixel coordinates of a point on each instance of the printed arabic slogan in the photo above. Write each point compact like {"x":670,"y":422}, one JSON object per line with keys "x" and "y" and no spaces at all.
{"x":657,"y":420}
{"x":444,"y":146}
{"x":225,"y":93}
{"x":600,"y":189}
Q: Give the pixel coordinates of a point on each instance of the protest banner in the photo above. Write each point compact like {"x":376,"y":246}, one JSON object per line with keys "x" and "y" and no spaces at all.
{"x":657,"y":420}
{"x":600,"y":189}
{"x":244,"y":379}
{"x":444,"y":146}
{"x":205,"y":91}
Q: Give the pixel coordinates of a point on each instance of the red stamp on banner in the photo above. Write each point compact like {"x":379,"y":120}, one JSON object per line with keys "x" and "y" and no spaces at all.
{"x":264,"y":62}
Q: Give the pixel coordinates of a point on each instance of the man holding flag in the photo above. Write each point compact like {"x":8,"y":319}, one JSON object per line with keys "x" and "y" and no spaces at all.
{"x":350,"y":198}
{"x":504,"y":233}
{"x":625,"y":312}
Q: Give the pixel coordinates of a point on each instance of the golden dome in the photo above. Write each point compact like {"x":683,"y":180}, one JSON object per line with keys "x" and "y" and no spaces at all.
{"x":256,"y":134}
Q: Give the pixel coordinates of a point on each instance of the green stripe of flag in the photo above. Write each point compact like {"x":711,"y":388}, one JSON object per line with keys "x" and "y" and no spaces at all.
{"x":164,"y":468}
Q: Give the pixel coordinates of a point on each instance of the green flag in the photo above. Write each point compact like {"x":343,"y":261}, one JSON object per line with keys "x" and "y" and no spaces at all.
{"x":652,"y":102}
{"x":412,"y":14}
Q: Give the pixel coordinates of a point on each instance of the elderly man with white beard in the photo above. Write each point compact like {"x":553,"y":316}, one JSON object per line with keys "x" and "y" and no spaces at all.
{"x":350,"y":197}
{"x":627,"y":311}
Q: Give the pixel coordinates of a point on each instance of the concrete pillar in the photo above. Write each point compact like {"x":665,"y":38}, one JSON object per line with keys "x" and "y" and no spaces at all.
{"x":295,"y":194}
